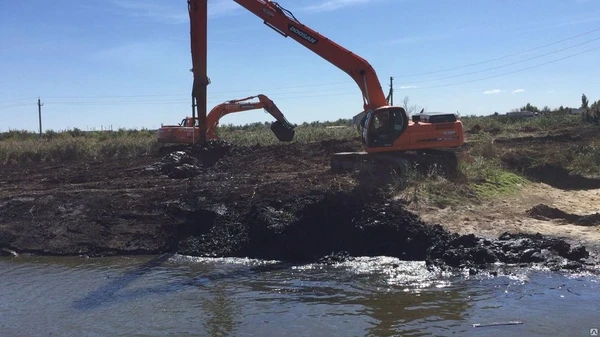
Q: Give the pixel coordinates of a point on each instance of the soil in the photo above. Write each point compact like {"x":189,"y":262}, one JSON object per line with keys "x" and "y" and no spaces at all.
{"x":557,"y":203}
{"x":517,"y":214}
{"x":273,"y":202}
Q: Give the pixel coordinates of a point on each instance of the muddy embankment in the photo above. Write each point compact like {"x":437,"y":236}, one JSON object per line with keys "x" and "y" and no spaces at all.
{"x":274,"y":202}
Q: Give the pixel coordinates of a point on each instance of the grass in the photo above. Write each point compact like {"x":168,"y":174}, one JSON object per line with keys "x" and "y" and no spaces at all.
{"x":21,"y":147}
{"x":305,"y":133}
{"x":73,"y":149}
{"x":586,"y":159}
{"x":516,"y":126}
{"x":481,"y":179}
{"x":484,"y":167}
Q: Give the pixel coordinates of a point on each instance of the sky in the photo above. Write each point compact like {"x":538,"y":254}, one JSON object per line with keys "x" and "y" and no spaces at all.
{"x":126,"y":63}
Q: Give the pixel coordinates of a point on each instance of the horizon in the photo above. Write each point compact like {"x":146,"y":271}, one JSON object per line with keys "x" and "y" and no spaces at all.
{"x":129,"y":66}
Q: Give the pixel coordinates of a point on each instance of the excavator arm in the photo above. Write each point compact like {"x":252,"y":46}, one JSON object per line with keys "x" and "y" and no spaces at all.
{"x":284,"y":22}
{"x":283,"y":129}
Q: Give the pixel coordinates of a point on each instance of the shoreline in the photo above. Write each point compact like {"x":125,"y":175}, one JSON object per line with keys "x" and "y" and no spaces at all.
{"x":271,"y":202}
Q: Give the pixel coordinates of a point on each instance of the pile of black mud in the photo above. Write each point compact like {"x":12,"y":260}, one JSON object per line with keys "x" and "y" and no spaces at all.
{"x":338,"y":225}
{"x":190,"y":161}
{"x":545,"y":212}
{"x":475,"y":253}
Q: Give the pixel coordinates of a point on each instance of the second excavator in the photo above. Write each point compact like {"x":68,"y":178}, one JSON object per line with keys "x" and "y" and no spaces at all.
{"x":188,"y":131}
{"x":282,"y":128}
{"x":387,"y":132}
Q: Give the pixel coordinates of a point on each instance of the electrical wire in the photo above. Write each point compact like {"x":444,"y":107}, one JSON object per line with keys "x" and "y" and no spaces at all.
{"x":17,"y":105}
{"x":515,"y":71}
{"x":188,"y":99}
{"x":184,"y":101}
{"x":19,"y":100}
{"x":501,"y":57}
{"x":214,"y":92}
{"x":176,"y":100}
{"x":505,"y":65}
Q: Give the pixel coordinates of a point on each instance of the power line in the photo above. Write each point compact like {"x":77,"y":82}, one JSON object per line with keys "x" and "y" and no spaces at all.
{"x":183,"y":101}
{"x":214,"y":92}
{"x":502,"y":57}
{"x":515,"y":71}
{"x":173,"y":101}
{"x":325,"y":95}
{"x":19,"y":100}
{"x":507,"y":64}
{"x":15,"y":106}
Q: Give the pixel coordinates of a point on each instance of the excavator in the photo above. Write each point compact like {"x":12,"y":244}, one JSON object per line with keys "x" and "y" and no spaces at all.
{"x":188,"y":131}
{"x":388,"y":135}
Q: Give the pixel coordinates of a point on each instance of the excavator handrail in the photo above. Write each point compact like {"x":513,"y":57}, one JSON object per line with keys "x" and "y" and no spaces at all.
{"x":240,"y":100}
{"x":285,"y":23}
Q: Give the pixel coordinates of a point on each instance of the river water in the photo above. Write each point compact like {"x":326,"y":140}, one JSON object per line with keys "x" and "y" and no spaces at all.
{"x":177,"y":295}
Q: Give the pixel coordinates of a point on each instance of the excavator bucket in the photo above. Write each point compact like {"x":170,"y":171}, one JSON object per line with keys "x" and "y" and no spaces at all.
{"x":283,"y":132}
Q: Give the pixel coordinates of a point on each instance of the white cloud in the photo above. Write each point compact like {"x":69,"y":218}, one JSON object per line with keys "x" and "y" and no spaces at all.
{"x":331,"y":5}
{"x":551,"y":91}
{"x":177,"y":14}
{"x":518,"y":91}
{"x":408,"y":87}
{"x":492,"y":92}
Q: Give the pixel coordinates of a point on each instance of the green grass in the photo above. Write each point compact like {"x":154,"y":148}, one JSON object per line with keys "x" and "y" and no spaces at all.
{"x":490,"y":180}
{"x":73,"y":149}
{"x":586,"y":159}
{"x":20,"y":147}
{"x":482,"y":179}
{"x":306,"y":133}
{"x":514,"y":126}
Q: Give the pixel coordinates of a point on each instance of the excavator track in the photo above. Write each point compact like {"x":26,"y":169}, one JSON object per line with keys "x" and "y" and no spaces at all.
{"x":424,"y":161}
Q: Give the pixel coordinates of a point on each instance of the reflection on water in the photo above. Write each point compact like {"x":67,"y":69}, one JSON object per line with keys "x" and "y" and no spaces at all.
{"x":178,"y":295}
{"x":221,"y":311}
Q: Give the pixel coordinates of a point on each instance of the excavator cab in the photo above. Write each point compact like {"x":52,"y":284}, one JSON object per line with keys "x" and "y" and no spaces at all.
{"x":382,"y":126}
{"x":189,"y":122}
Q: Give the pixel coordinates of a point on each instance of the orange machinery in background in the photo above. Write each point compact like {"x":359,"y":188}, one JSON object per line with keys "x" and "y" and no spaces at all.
{"x":188,"y":131}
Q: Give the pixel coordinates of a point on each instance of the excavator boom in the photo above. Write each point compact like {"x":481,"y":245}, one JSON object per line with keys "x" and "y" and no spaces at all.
{"x":286,"y":24}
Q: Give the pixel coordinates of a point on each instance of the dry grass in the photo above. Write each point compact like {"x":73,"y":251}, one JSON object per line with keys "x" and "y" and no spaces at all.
{"x":519,"y":126}
{"x":75,"y":145}
{"x":73,"y":149}
{"x":304,"y":134}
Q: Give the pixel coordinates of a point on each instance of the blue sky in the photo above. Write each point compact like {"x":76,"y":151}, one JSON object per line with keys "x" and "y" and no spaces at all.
{"x":126,"y":63}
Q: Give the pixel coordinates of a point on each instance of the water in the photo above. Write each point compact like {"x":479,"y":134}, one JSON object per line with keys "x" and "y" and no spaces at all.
{"x":185,"y":296}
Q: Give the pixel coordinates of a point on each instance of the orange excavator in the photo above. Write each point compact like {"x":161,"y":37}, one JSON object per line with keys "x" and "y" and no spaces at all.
{"x":387,"y":132}
{"x":188,"y":131}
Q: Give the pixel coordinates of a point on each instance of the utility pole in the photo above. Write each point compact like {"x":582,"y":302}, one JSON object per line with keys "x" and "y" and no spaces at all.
{"x":40,"y":114}
{"x":391,"y":90}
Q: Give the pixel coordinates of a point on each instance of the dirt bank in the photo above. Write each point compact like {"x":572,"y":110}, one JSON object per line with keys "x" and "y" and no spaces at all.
{"x":275,"y":202}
